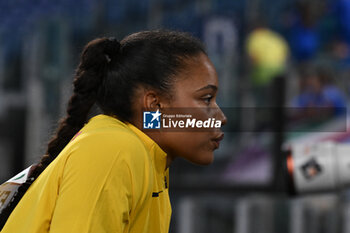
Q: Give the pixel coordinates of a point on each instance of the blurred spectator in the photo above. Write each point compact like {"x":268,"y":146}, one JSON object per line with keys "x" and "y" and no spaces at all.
{"x":339,"y":11}
{"x":268,"y":53}
{"x":303,"y":36}
{"x":342,"y":14}
{"x":317,"y":90}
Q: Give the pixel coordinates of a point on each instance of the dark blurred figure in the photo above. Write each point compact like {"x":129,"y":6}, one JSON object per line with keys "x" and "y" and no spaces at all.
{"x":317,"y":90}
{"x":339,"y":11}
{"x":304,"y":36}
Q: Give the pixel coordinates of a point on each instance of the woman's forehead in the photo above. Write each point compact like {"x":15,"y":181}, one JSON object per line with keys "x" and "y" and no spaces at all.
{"x":198,"y":72}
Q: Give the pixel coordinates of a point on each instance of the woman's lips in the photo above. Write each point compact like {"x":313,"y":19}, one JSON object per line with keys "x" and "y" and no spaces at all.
{"x":217,"y":140}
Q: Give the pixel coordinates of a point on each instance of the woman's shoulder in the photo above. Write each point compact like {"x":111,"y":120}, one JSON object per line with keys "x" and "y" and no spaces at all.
{"x":105,"y":139}
{"x":108,"y":132}
{"x":99,"y":151}
{"x":109,"y":140}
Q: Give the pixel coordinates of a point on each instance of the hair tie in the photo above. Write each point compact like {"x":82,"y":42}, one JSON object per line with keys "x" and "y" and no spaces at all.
{"x":108,"y":58}
{"x":112,"y":49}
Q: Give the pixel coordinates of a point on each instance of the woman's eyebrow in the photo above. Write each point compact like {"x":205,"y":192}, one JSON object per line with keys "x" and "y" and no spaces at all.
{"x":213,"y":87}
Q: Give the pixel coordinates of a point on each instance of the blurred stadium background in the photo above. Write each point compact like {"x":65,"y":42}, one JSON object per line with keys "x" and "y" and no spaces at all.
{"x":267,"y":53}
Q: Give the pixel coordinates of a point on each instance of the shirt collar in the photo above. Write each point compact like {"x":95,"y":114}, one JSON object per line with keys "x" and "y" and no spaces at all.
{"x":158,"y":155}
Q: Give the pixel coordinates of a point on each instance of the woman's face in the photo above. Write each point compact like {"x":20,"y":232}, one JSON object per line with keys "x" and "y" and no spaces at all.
{"x":195,"y":89}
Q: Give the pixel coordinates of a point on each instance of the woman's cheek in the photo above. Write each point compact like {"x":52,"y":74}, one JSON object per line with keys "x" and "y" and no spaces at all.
{"x":202,"y":151}
{"x":195,"y":147}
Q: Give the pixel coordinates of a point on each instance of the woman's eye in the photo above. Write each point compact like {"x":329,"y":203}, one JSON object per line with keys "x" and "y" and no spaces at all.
{"x":207,"y":99}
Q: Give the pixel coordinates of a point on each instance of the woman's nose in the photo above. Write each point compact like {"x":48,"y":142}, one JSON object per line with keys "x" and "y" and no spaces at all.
{"x":222,"y":117}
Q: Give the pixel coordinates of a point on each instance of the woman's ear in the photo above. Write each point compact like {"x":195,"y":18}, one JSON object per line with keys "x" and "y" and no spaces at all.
{"x":151,"y":101}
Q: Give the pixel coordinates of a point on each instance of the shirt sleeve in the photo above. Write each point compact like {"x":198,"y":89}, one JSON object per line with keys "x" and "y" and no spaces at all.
{"x":95,"y":193}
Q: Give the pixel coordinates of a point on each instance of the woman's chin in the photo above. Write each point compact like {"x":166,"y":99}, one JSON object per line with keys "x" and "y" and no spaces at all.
{"x":203,"y":160}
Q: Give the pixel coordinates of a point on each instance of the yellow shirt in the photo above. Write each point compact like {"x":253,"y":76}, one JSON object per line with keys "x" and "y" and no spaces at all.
{"x":111,"y":177}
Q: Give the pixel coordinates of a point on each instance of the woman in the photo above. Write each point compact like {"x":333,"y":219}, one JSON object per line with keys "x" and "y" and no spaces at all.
{"x":108,"y":175}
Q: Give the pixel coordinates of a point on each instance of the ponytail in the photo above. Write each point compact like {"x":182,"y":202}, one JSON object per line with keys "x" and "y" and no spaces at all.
{"x":91,"y":71}
{"x":94,"y":65}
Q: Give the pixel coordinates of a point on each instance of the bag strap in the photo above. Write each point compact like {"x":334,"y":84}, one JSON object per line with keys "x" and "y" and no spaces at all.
{"x":12,"y":191}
